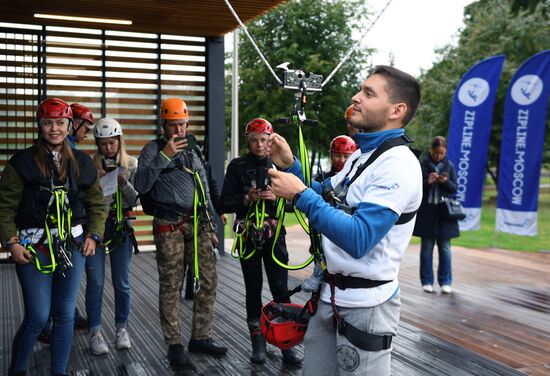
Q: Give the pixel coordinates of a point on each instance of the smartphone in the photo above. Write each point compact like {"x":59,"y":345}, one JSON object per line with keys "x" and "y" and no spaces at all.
{"x":445,"y":174}
{"x":191,"y":141}
{"x":178,"y":139}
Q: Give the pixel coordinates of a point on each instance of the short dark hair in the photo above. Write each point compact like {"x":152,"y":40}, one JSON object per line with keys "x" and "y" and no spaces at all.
{"x":439,"y":141}
{"x":402,"y":87}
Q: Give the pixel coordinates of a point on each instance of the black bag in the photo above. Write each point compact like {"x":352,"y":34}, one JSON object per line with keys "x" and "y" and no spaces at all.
{"x":452,"y":209}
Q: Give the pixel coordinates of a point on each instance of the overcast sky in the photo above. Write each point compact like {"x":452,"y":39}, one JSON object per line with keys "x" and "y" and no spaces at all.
{"x":411,"y":30}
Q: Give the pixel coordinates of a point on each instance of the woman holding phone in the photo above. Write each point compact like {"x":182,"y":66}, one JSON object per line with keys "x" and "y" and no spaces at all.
{"x":118,"y":239}
{"x":432,"y":226}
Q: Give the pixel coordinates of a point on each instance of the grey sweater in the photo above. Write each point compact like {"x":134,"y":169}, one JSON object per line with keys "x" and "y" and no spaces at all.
{"x":167,"y":181}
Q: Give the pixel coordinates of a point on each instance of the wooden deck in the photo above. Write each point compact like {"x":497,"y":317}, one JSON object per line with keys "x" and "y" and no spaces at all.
{"x":416,"y":351}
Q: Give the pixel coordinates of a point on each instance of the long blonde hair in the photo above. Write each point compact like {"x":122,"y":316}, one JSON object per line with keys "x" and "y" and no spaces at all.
{"x":41,"y":156}
{"x":122,"y":155}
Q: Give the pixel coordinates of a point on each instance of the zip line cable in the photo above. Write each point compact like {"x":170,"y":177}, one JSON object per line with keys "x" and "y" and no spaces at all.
{"x":338,"y":66}
{"x":252,"y":41}
{"x":352,"y":49}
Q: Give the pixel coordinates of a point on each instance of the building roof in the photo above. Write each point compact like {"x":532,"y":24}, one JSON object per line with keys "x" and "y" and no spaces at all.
{"x":207,"y":18}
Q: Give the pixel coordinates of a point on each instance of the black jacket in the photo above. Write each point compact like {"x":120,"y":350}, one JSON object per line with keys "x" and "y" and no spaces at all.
{"x":238,"y":180}
{"x":429,"y":221}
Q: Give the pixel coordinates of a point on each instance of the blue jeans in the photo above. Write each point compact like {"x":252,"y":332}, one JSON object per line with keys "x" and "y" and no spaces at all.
{"x":42,"y":292}
{"x":120,"y":275}
{"x":444,"y":272}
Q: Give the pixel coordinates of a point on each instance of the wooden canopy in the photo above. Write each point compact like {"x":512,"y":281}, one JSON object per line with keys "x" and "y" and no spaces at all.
{"x":207,"y":18}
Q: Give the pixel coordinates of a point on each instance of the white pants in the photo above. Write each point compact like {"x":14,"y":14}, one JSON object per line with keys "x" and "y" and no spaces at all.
{"x":328,"y":353}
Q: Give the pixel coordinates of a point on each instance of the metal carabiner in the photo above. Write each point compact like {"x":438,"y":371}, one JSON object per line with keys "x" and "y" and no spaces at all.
{"x":196,"y":285}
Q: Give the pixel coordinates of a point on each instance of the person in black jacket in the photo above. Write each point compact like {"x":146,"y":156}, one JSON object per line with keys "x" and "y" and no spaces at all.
{"x":341,"y":148}
{"x":245,"y":192}
{"x":432,"y":226}
{"x":51,"y":218}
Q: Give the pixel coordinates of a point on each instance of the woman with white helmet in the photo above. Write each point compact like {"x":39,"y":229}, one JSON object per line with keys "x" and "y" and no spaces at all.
{"x":118,"y":239}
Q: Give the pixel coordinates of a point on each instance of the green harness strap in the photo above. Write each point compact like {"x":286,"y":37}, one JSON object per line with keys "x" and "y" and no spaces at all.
{"x":62,"y":219}
{"x":259,"y":217}
{"x":119,"y":220}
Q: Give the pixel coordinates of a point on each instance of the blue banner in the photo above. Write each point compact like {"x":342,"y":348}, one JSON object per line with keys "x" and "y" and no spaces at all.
{"x":469,"y":131}
{"x":521,"y":150}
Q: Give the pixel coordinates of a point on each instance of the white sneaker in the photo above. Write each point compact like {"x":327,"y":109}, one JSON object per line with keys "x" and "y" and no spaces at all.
{"x":98,"y":345}
{"x":122,"y":339}
{"x":446,"y":289}
{"x":428,"y":288}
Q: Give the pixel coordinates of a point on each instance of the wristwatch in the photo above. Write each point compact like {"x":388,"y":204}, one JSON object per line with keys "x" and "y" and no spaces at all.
{"x":297,"y":196}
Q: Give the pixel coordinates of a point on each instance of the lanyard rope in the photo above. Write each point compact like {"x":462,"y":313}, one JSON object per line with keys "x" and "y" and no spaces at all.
{"x":243,"y":227}
{"x":199,"y":202}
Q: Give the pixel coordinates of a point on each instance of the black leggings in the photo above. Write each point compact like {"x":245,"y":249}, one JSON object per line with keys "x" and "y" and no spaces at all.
{"x":277,"y":276}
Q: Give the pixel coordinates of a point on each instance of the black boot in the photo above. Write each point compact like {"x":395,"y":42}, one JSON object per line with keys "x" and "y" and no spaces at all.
{"x":258,"y":343}
{"x":176,"y":356}
{"x":206,"y":346}
{"x":291,"y":357}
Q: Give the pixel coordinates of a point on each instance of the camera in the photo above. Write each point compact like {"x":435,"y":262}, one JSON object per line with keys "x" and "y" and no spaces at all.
{"x":293,"y":80}
{"x":109,"y":164}
{"x":258,"y":178}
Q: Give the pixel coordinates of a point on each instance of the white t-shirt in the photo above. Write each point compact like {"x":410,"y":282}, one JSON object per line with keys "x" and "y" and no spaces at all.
{"x":393,"y":180}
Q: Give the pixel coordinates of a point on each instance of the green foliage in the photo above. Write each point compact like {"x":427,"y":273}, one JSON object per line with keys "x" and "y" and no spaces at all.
{"x":313,"y":35}
{"x":517,"y":29}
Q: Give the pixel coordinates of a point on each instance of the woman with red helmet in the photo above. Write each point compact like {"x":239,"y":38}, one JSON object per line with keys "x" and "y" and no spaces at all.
{"x":246,"y":192}
{"x":47,"y":192}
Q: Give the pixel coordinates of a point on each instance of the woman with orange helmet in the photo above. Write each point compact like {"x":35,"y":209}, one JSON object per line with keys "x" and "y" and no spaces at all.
{"x":46,"y":192}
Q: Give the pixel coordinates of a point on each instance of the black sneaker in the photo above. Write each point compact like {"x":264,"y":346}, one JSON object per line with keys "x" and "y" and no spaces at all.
{"x":45,"y":336}
{"x":206,"y":346}
{"x":176,"y":356}
{"x":80,"y":322}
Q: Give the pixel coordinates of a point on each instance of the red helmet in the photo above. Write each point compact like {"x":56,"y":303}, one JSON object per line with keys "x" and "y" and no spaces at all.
{"x":284,"y":324}
{"x":54,"y":108}
{"x":82,"y":112}
{"x":342,"y":144}
{"x":258,"y":125}
{"x":348,"y":112}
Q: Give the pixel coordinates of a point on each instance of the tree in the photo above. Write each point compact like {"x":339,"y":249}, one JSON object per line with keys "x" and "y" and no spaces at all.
{"x":518,"y":29}
{"x":312,"y":35}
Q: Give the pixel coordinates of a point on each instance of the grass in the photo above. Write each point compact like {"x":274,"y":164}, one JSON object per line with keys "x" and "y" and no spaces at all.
{"x":488,"y":237}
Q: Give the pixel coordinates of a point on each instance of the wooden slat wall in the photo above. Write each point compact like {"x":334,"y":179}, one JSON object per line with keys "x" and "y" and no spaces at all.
{"x":19,"y":90}
{"x":117,"y":74}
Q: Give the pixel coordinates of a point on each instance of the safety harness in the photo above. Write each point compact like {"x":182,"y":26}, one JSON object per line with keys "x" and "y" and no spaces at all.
{"x":359,"y":338}
{"x":58,"y":214}
{"x":200,"y":202}
{"x":120,"y":225}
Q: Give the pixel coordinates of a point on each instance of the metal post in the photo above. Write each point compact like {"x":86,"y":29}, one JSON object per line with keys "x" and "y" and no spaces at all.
{"x":235,"y":97}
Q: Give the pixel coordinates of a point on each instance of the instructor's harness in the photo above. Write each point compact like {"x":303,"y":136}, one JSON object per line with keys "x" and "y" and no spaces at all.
{"x":359,"y":338}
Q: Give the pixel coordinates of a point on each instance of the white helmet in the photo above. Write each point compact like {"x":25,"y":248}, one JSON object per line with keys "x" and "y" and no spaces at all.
{"x":107,"y":127}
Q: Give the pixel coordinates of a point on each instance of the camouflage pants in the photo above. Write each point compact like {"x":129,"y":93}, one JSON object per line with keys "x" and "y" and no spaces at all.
{"x":173,"y":249}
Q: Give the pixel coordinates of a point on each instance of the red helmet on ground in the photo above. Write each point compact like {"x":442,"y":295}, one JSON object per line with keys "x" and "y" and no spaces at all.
{"x":284,"y":324}
{"x":258,"y":125}
{"x":53,"y":108}
{"x":348,"y":112}
{"x":342,"y":144}
{"x":82,"y":112}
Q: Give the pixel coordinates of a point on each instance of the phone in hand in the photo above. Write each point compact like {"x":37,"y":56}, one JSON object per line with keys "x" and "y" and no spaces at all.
{"x":191,"y":141}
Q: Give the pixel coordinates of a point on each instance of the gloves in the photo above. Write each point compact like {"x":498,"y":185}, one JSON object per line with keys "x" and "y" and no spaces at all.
{"x":312,"y":283}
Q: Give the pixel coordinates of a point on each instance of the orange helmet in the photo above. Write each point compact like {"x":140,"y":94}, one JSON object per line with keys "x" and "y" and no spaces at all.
{"x":258,"y":125}
{"x":174,"y":109}
{"x":342,"y":144}
{"x":54,"y":108}
{"x":284,"y":324}
{"x":348,"y":112}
